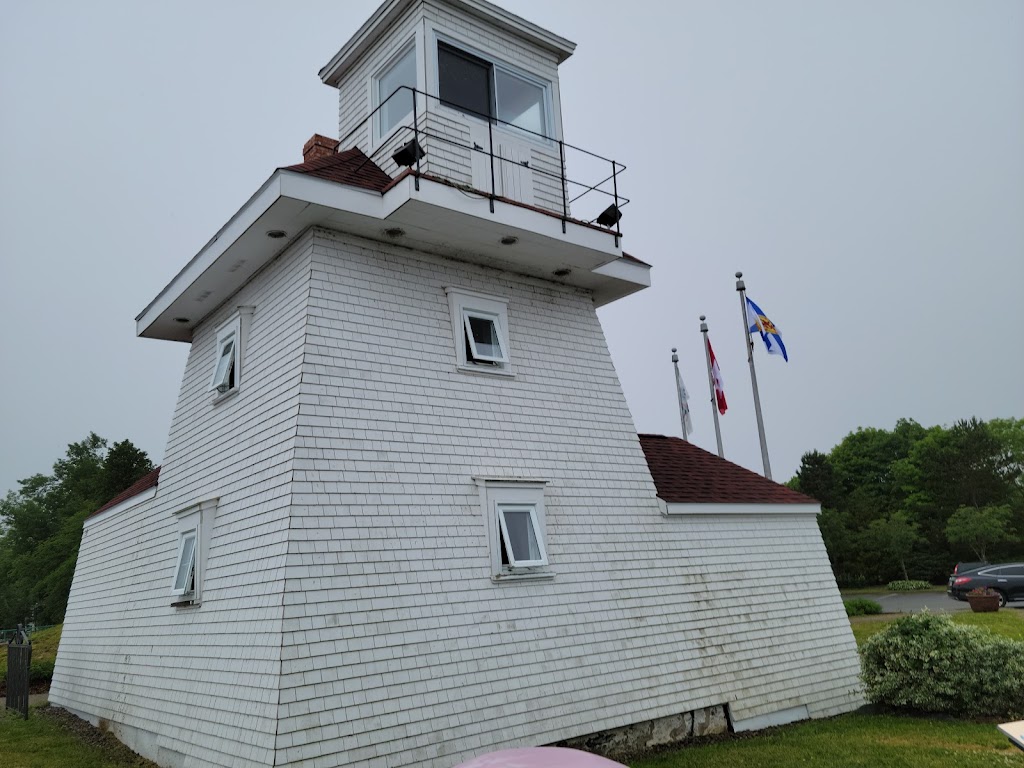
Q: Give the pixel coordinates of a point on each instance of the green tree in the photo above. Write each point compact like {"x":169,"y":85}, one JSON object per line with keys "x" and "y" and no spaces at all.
{"x":41,"y":525}
{"x":980,"y":528}
{"x":896,"y":536}
{"x":817,"y":478}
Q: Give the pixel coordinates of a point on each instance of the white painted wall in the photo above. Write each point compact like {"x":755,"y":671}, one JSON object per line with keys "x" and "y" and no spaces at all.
{"x":348,"y":606}
{"x":199,"y":686}
{"x":399,"y":649}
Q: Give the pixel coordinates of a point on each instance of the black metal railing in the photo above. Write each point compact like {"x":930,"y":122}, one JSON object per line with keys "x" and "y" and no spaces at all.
{"x":19,"y":663}
{"x":608,"y":218}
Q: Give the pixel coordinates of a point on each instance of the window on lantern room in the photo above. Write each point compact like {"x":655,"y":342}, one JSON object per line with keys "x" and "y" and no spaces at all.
{"x":393,"y":92}
{"x":487,"y":90}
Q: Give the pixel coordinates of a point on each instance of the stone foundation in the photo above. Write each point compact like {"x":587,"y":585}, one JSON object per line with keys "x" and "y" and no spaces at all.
{"x":630,"y":740}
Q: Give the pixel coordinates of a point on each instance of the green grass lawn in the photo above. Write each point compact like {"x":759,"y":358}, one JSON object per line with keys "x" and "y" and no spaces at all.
{"x":46,"y":741}
{"x":44,"y":648}
{"x":1008,"y":622}
{"x":854,"y":741}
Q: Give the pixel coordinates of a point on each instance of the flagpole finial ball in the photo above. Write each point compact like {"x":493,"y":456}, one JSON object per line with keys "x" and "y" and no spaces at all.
{"x":739,"y":275}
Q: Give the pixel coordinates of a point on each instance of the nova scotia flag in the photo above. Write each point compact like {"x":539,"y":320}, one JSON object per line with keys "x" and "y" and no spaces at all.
{"x":758,"y":321}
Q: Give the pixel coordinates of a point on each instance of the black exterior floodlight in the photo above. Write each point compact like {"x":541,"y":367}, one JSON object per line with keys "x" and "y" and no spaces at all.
{"x":409,"y":153}
{"x":610,"y":216}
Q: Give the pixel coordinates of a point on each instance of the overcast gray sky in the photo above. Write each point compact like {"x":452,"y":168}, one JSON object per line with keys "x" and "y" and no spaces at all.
{"x":861,"y":162}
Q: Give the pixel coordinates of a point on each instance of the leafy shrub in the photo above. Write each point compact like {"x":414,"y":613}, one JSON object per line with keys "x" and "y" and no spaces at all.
{"x":925,"y":662}
{"x":861,"y":606}
{"x":40,"y":672}
{"x":904,"y":585}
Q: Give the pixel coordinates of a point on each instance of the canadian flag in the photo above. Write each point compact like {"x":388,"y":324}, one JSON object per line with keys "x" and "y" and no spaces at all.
{"x":716,"y":375}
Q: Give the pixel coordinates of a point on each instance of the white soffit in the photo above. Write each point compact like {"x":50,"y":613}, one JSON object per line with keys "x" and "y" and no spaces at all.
{"x":436,"y":219}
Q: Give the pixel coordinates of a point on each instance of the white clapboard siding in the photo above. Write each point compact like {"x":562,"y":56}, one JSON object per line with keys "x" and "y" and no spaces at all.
{"x":200,"y":685}
{"x":348,"y":614}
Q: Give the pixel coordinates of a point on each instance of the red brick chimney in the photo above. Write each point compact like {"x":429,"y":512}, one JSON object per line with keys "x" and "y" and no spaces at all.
{"x":317,"y":147}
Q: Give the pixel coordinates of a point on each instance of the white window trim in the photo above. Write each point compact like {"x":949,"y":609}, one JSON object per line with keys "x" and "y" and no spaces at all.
{"x":462,"y":304}
{"x":234,"y":331}
{"x":380,"y":137}
{"x":195,"y":520}
{"x":514,"y":492}
{"x":502,"y":508}
{"x":183,"y":537}
{"x":550,"y":125}
{"x":495,"y":320}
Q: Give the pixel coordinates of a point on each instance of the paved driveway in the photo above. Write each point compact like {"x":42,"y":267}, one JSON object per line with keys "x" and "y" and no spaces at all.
{"x":910,"y":602}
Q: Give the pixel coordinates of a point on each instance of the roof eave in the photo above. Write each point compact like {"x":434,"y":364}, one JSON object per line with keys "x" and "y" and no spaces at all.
{"x":673,"y":508}
{"x":390,"y":10}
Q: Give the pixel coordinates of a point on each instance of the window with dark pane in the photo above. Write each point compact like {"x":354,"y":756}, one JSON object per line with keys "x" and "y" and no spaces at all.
{"x":465,"y":82}
{"x":485,"y":336}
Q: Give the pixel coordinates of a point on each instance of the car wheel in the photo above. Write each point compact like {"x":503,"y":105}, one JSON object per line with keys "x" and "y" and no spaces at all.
{"x":1002,"y":598}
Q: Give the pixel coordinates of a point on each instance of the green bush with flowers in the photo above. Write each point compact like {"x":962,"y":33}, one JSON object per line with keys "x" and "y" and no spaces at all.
{"x":907,"y":585}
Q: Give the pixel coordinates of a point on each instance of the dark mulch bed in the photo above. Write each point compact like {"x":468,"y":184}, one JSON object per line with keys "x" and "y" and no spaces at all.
{"x":113,"y":749}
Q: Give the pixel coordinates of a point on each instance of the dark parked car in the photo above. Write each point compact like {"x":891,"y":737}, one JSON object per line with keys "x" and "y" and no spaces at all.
{"x":1006,"y":578}
{"x":961,"y":567}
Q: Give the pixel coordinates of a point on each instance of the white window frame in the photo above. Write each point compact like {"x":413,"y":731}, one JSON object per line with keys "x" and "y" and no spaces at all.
{"x":194,"y":522}
{"x":502,"y":509}
{"x":547,"y":86}
{"x":499,"y":494}
{"x":380,"y":135}
{"x":464,"y":304}
{"x":495,"y":320}
{"x":233,"y":332}
{"x":188,"y":587}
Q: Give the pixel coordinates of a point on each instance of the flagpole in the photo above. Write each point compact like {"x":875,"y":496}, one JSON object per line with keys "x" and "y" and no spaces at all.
{"x":679,"y":393}
{"x":753,"y":374}
{"x":711,"y":386}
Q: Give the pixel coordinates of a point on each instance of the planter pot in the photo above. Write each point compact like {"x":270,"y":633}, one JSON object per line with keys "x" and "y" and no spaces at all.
{"x":984,"y":603}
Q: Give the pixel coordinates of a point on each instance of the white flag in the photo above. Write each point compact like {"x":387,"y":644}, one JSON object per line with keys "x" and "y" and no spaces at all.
{"x":684,"y":405}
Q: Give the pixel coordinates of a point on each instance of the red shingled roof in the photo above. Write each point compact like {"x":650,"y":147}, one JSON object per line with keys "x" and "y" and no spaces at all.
{"x":350,"y":167}
{"x":686,"y":474}
{"x":144,"y":483}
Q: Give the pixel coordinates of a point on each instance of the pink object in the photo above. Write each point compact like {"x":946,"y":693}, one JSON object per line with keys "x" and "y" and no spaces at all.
{"x":540,"y":757}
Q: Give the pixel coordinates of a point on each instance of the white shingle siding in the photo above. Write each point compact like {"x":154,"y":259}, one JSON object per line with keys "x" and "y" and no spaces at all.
{"x":348,"y":606}
{"x":399,"y":650}
{"x":200,"y":684}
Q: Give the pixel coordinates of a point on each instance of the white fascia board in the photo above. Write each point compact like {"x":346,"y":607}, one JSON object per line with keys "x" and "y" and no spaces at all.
{"x":127,"y":504}
{"x":236,"y":226}
{"x":482,"y":9}
{"x":382,"y":18}
{"x":624,"y":269}
{"x":362,"y":39}
{"x":759,"y":510}
{"x":506,"y":214}
{"x":330,"y":194}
